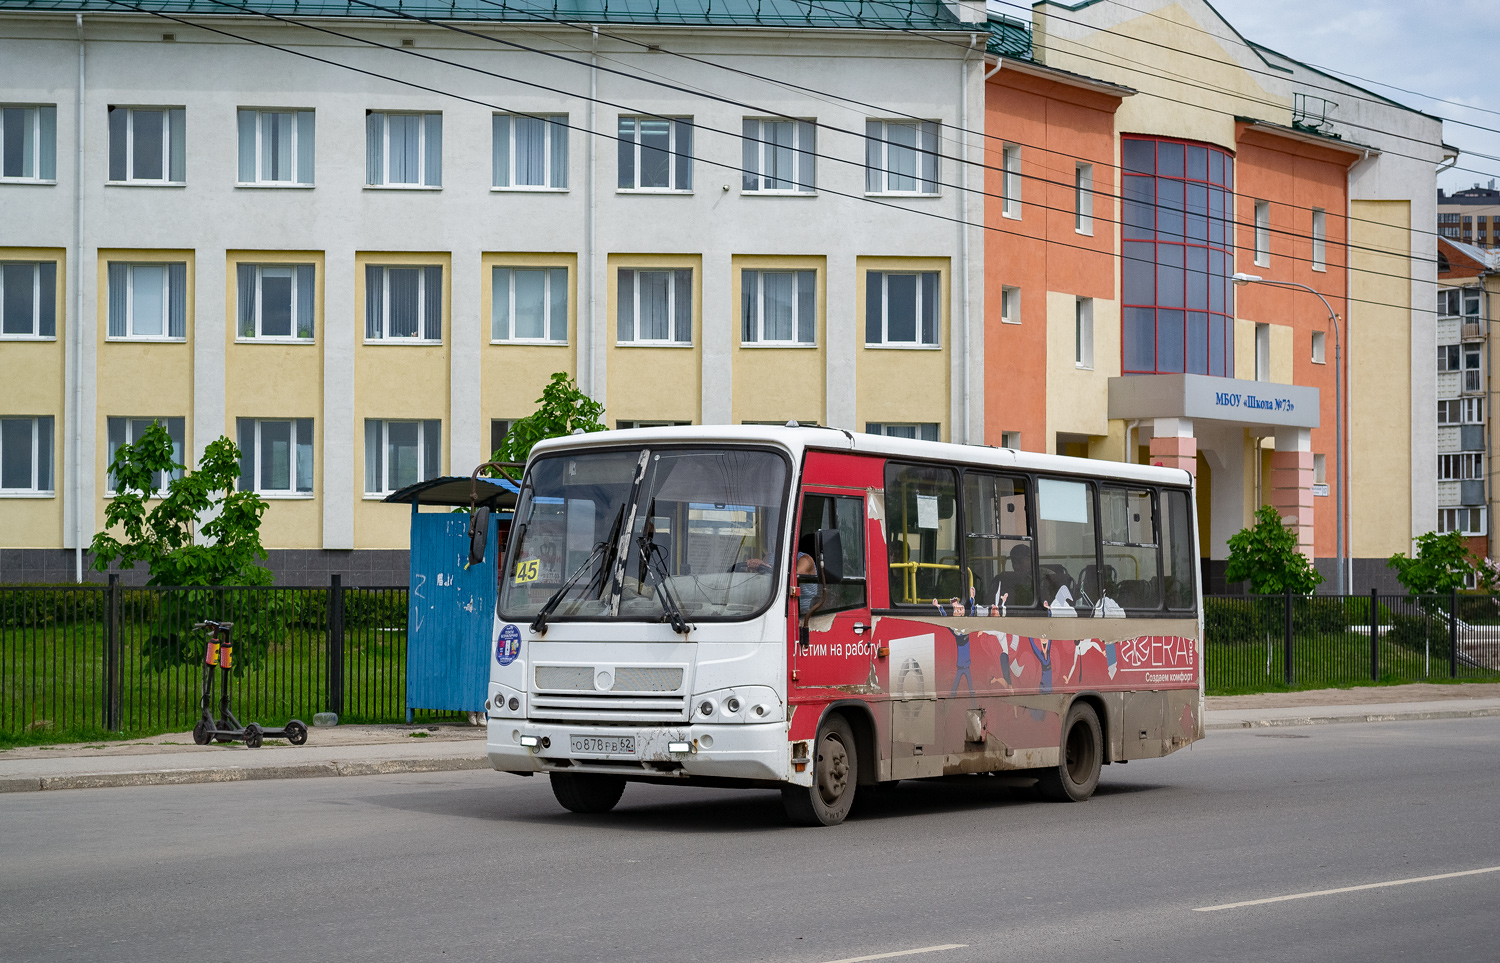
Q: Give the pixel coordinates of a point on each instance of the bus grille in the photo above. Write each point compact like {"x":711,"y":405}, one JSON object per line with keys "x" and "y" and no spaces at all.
{"x":638,"y":694}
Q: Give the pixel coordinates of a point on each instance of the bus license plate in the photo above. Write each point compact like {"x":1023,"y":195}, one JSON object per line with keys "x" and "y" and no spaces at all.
{"x":602,"y":745}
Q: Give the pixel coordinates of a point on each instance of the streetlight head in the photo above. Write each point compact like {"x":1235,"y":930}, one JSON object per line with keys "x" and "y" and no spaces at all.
{"x":1240,"y":277}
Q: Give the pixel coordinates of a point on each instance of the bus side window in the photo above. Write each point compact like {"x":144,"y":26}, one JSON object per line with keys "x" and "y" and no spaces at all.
{"x":922,"y":521}
{"x":847,"y":515}
{"x":1127,"y":519}
{"x":1177,"y":550}
{"x":1000,"y":549}
{"x":1067,"y":547}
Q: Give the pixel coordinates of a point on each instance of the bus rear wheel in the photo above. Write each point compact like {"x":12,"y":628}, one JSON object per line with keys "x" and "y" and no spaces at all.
{"x":581,"y":793}
{"x":835,"y":774}
{"x":1079,"y":757}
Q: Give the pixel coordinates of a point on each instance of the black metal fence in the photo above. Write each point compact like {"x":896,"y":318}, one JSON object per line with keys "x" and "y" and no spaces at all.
{"x":1259,"y":643}
{"x":107,"y":658}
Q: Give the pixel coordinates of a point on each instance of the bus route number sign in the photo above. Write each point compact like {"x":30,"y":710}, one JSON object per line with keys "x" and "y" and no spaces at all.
{"x":528,"y":570}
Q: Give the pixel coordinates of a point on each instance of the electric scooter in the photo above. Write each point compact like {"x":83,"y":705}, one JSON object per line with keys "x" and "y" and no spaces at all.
{"x":227,"y":727}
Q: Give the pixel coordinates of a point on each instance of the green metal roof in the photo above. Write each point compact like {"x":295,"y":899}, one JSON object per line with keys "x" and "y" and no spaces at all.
{"x":845,"y":14}
{"x":1009,"y":38}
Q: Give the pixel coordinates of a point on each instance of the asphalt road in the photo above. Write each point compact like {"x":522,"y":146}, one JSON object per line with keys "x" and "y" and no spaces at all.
{"x":485,"y":867}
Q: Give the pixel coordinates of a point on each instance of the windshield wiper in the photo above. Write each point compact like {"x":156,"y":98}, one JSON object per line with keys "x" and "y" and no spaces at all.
{"x":539,"y":624}
{"x":667,"y":595}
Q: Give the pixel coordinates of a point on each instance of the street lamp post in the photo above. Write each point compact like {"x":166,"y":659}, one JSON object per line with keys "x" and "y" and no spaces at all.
{"x":1242,"y":278}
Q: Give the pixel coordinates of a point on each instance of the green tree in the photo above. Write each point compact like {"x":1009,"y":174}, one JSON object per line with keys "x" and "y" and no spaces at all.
{"x":1442,"y":563}
{"x":1265,"y":555}
{"x":561,"y":410}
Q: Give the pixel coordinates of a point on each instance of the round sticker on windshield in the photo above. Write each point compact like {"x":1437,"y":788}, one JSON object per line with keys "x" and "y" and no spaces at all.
{"x":508,"y":645}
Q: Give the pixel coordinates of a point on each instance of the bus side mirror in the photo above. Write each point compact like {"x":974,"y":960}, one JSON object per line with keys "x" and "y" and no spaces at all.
{"x":479,"y":533}
{"x":829,"y":554}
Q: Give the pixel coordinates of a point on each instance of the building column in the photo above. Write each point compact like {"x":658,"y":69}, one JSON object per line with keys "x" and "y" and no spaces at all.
{"x":1173,"y":444}
{"x":1291,"y":484}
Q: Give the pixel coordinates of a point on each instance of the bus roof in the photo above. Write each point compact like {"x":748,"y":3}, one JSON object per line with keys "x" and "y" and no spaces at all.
{"x":800,"y":438}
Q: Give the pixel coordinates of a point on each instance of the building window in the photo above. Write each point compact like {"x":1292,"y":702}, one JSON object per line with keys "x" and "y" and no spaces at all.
{"x":1010,"y":305}
{"x":901,"y":157}
{"x":404,"y":303}
{"x":276,"y":301}
{"x":1449,"y":302}
{"x":778,"y":156}
{"x":1083,"y":199}
{"x":128,"y":431}
{"x":1083,"y":333}
{"x":401,"y":453}
{"x":530,"y":153}
{"x":28,"y":299}
{"x":148,"y":301}
{"x":1177,"y":230}
{"x":656,"y":154}
{"x":147,"y":145}
{"x":28,"y":143}
{"x":1319,"y":347}
{"x":1263,"y":233}
{"x":1471,"y":303}
{"x":529,"y":305}
{"x":778,"y":307}
{"x":25,"y":455}
{"x":1461,"y":411}
{"x":403,"y":150}
{"x":1473,"y":373}
{"x":1320,"y":469}
{"x":623,"y":425}
{"x":1010,"y":181}
{"x":901,"y":308}
{"x":1448,"y":358}
{"x":920,"y":430}
{"x":1467,"y":521}
{"x":1464,"y":466}
{"x":276,"y":147}
{"x":1319,"y":239}
{"x":499,"y":428}
{"x":654,"y":307}
{"x":1262,"y":352}
{"x":276,"y":455}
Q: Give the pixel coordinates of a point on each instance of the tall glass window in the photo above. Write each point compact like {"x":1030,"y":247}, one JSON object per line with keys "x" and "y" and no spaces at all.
{"x":1178,"y":258}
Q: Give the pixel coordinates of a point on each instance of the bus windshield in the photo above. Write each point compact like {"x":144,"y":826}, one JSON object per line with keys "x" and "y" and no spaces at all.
{"x":634,"y":533}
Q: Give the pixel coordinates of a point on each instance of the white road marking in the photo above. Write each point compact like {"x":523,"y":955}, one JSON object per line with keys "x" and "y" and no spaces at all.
{"x":887,"y":956}
{"x":1341,"y":889}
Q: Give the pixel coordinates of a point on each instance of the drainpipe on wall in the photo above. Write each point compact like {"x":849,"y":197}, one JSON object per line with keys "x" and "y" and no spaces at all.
{"x":586,"y":337}
{"x":77,"y":315}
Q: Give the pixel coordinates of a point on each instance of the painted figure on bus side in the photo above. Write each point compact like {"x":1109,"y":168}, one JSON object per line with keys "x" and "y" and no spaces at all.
{"x":964,"y":662}
{"x":1085,"y":646}
{"x":1010,"y":670}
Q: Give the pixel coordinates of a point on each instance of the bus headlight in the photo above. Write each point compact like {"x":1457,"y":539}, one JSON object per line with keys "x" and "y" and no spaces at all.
{"x":706,"y":708}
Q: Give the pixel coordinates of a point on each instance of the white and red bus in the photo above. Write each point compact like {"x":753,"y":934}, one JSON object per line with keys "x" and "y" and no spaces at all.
{"x":824,"y":612}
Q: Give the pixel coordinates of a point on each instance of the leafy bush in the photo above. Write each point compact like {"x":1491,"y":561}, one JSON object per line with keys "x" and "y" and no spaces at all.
{"x":1266,"y":556}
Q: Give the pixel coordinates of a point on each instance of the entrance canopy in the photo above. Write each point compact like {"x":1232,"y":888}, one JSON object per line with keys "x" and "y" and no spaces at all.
{"x":1252,"y":404}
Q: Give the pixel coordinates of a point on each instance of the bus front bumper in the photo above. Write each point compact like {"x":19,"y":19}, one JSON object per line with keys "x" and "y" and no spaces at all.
{"x":757,"y":751}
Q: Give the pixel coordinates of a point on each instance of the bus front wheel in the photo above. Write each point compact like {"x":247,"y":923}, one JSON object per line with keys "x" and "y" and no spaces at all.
{"x":835,"y":775}
{"x":1079,"y":757}
{"x":581,"y":793}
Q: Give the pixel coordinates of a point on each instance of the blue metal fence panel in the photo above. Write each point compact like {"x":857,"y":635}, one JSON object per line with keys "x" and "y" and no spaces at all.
{"x":450,"y":614}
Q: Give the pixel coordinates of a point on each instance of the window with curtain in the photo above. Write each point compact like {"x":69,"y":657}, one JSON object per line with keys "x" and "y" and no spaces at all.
{"x":401,"y":453}
{"x":276,"y":301}
{"x":28,"y":299}
{"x":654,"y":306}
{"x":147,"y":145}
{"x":778,"y":307}
{"x":530,"y":153}
{"x":122,"y":431}
{"x":529,"y":305}
{"x":901,"y":157}
{"x":404,"y":302}
{"x":916,"y":430}
{"x":403,"y":149}
{"x":28,"y":143}
{"x":901,"y":308}
{"x":148,"y":301}
{"x":276,"y":455}
{"x":656,"y":154}
{"x":26,"y":455}
{"x":276,"y":147}
{"x":778,"y":156}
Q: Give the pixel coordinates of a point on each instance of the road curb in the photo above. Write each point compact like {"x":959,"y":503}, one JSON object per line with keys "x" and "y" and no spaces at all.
{"x":1420,"y":716}
{"x":178,"y":777}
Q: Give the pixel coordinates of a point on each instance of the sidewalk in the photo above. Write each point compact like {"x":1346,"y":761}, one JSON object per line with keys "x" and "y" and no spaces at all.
{"x":373,"y":750}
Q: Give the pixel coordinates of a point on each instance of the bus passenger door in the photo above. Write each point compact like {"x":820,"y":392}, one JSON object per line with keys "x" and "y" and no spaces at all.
{"x":830,"y":625}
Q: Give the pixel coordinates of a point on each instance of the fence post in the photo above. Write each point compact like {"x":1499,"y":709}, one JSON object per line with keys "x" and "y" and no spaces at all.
{"x":336,"y":645}
{"x":112,"y":719}
{"x":1374,"y":635}
{"x":1286,"y":659}
{"x":1453,"y":634}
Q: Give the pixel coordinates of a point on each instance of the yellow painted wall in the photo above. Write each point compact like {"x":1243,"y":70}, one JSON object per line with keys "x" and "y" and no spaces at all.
{"x":140,"y":379}
{"x":1078,"y":398}
{"x":1244,"y":349}
{"x":37,"y":522}
{"x":1379,"y":400}
{"x":396,"y":381}
{"x":902,"y":384}
{"x":1281,"y":354}
{"x":278,"y":379}
{"x":779,"y":383}
{"x":512,"y":376}
{"x":655,"y":382}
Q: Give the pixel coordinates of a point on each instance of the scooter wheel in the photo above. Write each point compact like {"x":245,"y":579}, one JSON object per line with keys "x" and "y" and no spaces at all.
{"x":252,"y":736}
{"x":201,"y":733}
{"x":296,"y":732}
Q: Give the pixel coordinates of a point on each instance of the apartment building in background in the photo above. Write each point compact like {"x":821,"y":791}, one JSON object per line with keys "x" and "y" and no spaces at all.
{"x":1468,"y":283}
{"x":1470,"y":216}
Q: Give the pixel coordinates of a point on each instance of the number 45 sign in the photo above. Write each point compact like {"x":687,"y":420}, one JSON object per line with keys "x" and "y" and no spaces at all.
{"x":527,"y":570}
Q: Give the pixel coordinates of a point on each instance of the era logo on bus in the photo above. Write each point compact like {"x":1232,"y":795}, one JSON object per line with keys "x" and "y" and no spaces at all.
{"x":528,"y":570}
{"x":1158,"y":652}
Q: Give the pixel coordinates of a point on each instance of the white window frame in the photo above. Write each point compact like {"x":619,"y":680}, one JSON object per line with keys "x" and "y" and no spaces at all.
{"x":1473,"y":362}
{"x":1450,"y":302}
{"x":37,"y":287}
{"x":295,"y":307}
{"x":301,"y":118}
{"x":1010,"y":305}
{"x":759,"y":153}
{"x":918,"y":430}
{"x":1083,"y":333}
{"x":295,"y":469}
{"x":1461,"y":466}
{"x":553,"y":126}
{"x":1010,"y":181}
{"x":1449,"y":521}
{"x":1262,"y":351}
{"x":42,"y":121}
{"x":1320,"y":469}
{"x":179,"y":450}
{"x":424,"y":470}
{"x":1010,"y":439}
{"x":382,"y":336}
{"x":35,"y":489}
{"x":635,"y":292}
{"x":679,"y":171}
{"x":166,"y":303}
{"x":424,"y":175}
{"x":799,"y":277}
{"x":550,"y":281}
{"x":1450,"y":358}
{"x":927,"y":146}
{"x":171,"y":116}
{"x":885,"y":313}
{"x":1319,"y":239}
{"x":1320,"y":347}
{"x":1262,"y":233}
{"x":1083,"y":199}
